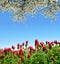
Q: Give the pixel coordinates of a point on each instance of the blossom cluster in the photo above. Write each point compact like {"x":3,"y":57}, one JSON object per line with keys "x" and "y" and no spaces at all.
{"x":20,"y":7}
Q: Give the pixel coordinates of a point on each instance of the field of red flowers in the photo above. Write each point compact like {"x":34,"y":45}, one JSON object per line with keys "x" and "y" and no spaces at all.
{"x":43,"y":53}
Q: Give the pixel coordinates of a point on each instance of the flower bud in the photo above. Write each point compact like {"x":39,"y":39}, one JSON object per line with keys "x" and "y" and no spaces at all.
{"x":29,"y":55}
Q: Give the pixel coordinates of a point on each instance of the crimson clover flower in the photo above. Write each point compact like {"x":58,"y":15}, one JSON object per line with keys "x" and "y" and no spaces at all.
{"x":2,"y":56}
{"x":36,"y":42}
{"x":44,"y":48}
{"x":22,"y":58}
{"x":18,"y":46}
{"x":7,"y":49}
{"x":29,"y":55}
{"x":52,"y":58}
{"x":55,"y":41}
{"x":50,"y":46}
{"x":31,"y":48}
{"x":13,"y":47}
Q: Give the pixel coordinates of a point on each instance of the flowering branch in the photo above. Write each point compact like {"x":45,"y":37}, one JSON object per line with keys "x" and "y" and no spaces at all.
{"x":48,"y":8}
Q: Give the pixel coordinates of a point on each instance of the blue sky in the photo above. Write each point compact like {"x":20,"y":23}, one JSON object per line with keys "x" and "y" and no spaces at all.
{"x":38,"y":27}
